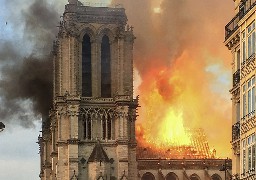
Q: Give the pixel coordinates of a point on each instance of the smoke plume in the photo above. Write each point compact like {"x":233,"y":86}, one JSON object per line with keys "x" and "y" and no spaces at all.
{"x":184,"y":67}
{"x":26,"y":63}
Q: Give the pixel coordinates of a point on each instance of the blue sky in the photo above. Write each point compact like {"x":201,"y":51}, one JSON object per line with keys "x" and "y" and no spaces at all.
{"x":18,"y":149}
{"x":19,"y":157}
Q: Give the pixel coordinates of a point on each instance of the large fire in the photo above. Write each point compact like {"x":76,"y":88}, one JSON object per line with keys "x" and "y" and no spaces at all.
{"x":185,"y":74}
{"x":197,"y":147}
{"x":163,"y":133}
{"x":173,"y":106}
{"x":169,"y":129}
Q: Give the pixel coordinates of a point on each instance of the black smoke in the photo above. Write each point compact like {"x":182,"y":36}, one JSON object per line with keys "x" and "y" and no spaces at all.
{"x":26,"y":67}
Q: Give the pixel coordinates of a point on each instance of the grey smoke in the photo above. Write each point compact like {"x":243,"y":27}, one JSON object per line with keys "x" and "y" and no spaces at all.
{"x":26,"y":63}
{"x":180,"y":25}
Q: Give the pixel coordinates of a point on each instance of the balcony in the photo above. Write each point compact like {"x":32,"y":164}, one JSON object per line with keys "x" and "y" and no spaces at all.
{"x":236,"y":78}
{"x":231,"y":27}
{"x":236,"y":131}
{"x":244,"y":8}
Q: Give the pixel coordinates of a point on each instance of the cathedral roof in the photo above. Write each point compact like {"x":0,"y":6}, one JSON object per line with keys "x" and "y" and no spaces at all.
{"x":98,"y":154}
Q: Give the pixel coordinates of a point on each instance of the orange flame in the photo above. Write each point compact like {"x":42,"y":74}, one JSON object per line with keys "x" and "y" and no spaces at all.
{"x":169,"y":130}
{"x":185,"y":71}
{"x":172,"y":102}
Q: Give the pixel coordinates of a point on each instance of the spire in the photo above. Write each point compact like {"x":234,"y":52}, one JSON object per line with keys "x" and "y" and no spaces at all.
{"x":98,"y":154}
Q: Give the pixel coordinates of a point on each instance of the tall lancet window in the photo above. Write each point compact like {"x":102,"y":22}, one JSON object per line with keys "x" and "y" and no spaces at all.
{"x":109,"y":125}
{"x":86,"y":67}
{"x":105,"y":68}
{"x":87,"y":127}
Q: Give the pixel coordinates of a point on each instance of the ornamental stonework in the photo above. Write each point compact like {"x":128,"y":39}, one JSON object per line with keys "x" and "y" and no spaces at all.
{"x":248,"y":67}
{"x":248,"y":123}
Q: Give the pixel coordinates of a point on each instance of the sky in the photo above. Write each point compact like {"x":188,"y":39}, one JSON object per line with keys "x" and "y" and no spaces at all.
{"x":18,"y":149}
{"x":175,"y":27}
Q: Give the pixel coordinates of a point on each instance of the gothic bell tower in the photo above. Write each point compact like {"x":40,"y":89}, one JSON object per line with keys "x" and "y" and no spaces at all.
{"x":91,"y":129}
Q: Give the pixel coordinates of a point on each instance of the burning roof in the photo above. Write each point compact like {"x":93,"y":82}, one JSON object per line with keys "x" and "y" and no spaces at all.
{"x":197,"y":148}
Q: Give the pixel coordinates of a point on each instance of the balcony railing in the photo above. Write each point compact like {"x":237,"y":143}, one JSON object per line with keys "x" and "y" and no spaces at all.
{"x":231,"y":27}
{"x":236,"y":131}
{"x":244,"y":8}
{"x":236,"y":78}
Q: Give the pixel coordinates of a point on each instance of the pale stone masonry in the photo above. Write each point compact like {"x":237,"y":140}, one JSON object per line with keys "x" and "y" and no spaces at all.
{"x":78,"y":124}
{"x":90,"y":131}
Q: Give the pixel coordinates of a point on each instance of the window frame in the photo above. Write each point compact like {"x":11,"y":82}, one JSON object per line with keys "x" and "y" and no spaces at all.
{"x":251,"y":39}
{"x":251,"y":96}
{"x":243,"y":43}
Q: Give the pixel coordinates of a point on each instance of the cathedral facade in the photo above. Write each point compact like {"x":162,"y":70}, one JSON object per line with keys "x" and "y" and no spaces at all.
{"x":90,"y":131}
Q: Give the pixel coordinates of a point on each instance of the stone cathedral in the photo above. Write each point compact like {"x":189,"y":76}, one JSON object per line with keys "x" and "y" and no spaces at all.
{"x":90,"y":133}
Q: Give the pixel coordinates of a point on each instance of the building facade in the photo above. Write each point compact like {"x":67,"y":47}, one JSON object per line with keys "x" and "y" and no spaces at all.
{"x":90,"y":131}
{"x":184,"y":169}
{"x":240,"y":40}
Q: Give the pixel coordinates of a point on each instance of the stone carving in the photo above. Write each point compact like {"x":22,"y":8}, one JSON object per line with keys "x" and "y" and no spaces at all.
{"x":236,"y":148}
{"x":97,"y":112}
{"x":105,"y":30}
{"x":122,"y":98}
{"x":132,"y":114}
{"x":73,"y":110}
{"x":235,"y":94}
{"x":248,"y":67}
{"x":234,"y":41}
{"x":87,"y":29}
{"x":248,"y":124}
{"x":61,"y":111}
{"x":73,"y":141}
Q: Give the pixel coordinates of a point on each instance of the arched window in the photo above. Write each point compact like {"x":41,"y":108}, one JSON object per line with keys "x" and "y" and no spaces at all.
{"x":109,"y":124}
{"x":194,"y":177}
{"x":87,"y":127}
{"x":216,"y":177}
{"x":89,"y":123}
{"x":104,"y":132}
{"x":86,"y":67}
{"x":106,"y":127}
{"x":148,"y":176}
{"x":171,"y":176}
{"x":105,"y":68}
